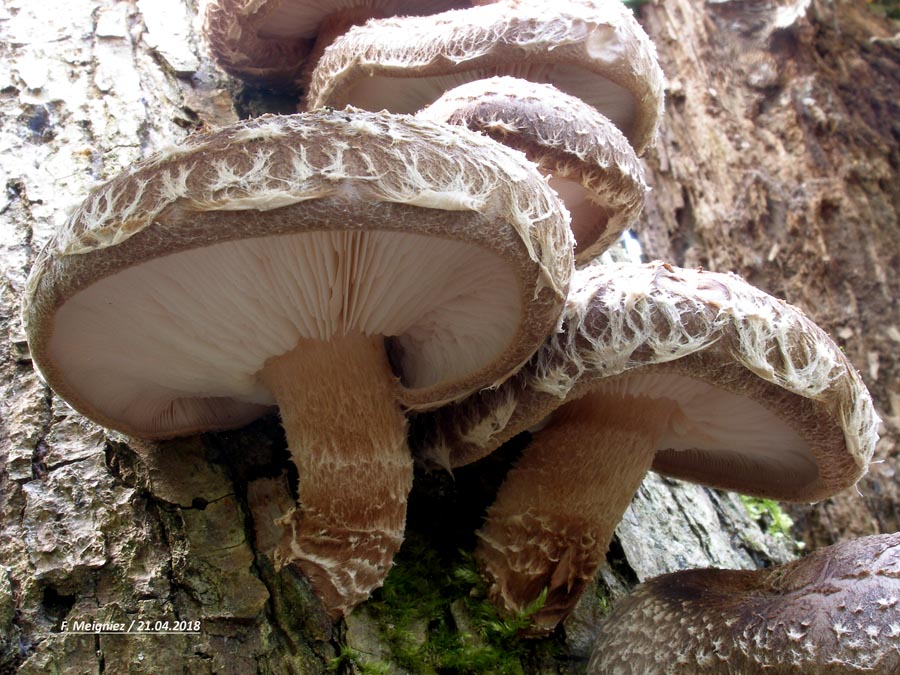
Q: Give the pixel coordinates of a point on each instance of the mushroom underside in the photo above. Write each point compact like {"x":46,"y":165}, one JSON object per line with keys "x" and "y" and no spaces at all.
{"x":555,"y":513}
{"x":733,"y":439}
{"x":211,"y":337}
{"x":302,"y":19}
{"x":589,"y":216}
{"x":410,"y":92}
{"x":176,"y":343}
{"x":724,"y":432}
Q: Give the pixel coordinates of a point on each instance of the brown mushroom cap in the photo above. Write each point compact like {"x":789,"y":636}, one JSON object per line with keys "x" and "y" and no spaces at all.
{"x":769,"y":405}
{"x":267,"y":41}
{"x":590,"y":163}
{"x":591,"y":49}
{"x":837,"y":611}
{"x":283,"y":260}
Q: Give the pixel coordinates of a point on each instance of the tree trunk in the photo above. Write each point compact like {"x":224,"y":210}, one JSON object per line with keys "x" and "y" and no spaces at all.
{"x":763,"y":140}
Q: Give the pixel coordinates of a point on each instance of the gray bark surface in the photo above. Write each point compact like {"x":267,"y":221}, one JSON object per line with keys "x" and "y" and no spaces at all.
{"x":98,"y":527}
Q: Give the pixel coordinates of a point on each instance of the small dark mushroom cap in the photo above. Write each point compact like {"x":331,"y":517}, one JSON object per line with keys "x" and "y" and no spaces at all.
{"x":769,"y":405}
{"x":592,"y":49}
{"x":267,"y":41}
{"x":590,"y":163}
{"x":160,"y":299}
{"x":837,"y":611}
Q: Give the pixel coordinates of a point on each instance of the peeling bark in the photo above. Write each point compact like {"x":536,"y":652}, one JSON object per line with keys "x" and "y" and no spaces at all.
{"x":98,"y":527}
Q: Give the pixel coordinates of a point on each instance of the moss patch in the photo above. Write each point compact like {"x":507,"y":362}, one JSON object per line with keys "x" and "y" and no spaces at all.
{"x":433,"y":614}
{"x":888,"y":8}
{"x":769,"y":514}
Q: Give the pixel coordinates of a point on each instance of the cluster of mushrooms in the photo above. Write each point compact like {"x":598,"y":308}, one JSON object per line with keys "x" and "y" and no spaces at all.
{"x":437,"y":259}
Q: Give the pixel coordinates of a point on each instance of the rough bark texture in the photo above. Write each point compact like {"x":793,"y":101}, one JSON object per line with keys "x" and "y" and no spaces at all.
{"x":778,"y":160}
{"x":96,"y":527}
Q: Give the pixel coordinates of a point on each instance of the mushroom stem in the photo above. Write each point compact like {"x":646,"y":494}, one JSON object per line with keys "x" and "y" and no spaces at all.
{"x":557,"y":509}
{"x":355,"y":467}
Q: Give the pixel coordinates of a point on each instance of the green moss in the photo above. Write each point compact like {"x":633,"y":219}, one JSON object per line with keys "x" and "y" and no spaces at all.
{"x":434,"y":616}
{"x":888,"y":8}
{"x":769,"y":513}
{"x":603,"y":601}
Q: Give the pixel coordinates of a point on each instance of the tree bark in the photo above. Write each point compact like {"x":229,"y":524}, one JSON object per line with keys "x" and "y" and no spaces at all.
{"x":767,"y":165}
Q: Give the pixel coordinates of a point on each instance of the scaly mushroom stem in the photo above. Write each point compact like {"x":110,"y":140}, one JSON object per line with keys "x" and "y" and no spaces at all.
{"x":347,"y":436}
{"x":556,"y":512}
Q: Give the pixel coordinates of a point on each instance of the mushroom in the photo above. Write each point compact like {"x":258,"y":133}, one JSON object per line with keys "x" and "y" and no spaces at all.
{"x":241,"y":52}
{"x":590,"y":163}
{"x":694,"y":374}
{"x":270,"y":41}
{"x":283,"y":261}
{"x":591,"y":49}
{"x":836,"y":611}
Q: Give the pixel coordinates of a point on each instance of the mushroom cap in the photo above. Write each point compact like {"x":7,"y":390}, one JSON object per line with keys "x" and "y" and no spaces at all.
{"x":590,"y":163}
{"x":161,"y":297}
{"x":592,"y":49}
{"x":266,"y":41}
{"x":241,"y":52}
{"x":768,"y":404}
{"x":835,"y":611}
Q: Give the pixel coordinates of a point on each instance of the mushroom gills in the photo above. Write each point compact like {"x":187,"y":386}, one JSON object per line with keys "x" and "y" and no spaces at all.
{"x":410,"y":94}
{"x":186,"y":335}
{"x":288,"y":19}
{"x":589,"y":217}
{"x":719,"y":428}
{"x":715,"y":427}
